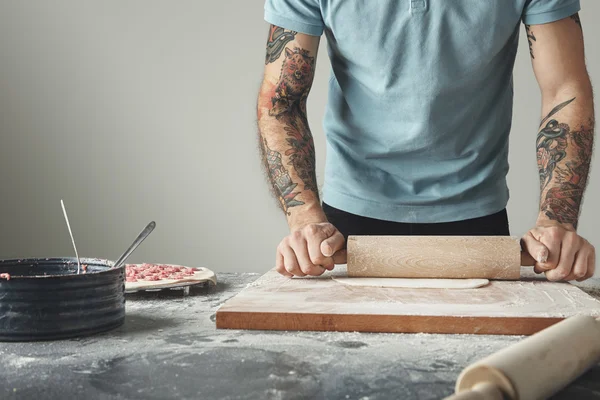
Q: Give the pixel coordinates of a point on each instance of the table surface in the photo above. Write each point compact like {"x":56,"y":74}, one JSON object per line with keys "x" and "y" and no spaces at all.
{"x":169,"y":348}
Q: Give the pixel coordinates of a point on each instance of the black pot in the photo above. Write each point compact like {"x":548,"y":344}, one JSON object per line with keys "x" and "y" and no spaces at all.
{"x":46,"y":299}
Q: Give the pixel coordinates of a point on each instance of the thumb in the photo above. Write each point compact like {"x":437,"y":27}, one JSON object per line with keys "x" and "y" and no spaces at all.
{"x":340,"y":257}
{"x":333,"y":244}
{"x":526,"y":259}
{"x":533,"y":251}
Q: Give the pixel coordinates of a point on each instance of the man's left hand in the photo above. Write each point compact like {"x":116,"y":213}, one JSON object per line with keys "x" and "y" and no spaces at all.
{"x":558,"y":251}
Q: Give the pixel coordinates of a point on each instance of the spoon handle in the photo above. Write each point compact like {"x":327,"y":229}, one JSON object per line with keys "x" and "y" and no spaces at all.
{"x":143,"y":235}
{"x":62,"y":204}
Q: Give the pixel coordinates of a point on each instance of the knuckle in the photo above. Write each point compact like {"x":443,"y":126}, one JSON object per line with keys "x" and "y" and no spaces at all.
{"x":560,"y":274}
{"x":589,"y":274}
{"x":318,"y":259}
{"x":554,"y":232}
{"x":570,"y":238}
{"x":305,"y":268}
{"x":552,"y":277}
{"x":579,"y":274}
{"x":296,"y":235}
{"x":328,"y":228}
{"x":311,"y":229}
{"x":282,"y":271}
{"x":574,"y":239}
{"x":285,"y":242}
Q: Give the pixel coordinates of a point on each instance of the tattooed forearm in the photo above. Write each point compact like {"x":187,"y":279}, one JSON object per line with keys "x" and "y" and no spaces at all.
{"x":564,"y":156}
{"x":290,"y":158}
{"x":556,"y":109}
{"x":278,"y":39}
{"x":551,"y":149}
{"x":530,"y":39}
{"x":289,"y":108}
{"x":575,"y":17}
{"x":281,"y":182}
{"x":302,"y":153}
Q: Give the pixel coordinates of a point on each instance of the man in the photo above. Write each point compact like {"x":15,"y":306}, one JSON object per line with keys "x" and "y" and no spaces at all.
{"x":417,"y":124}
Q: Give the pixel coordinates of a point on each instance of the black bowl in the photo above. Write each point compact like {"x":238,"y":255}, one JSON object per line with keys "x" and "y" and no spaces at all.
{"x":46,"y":299}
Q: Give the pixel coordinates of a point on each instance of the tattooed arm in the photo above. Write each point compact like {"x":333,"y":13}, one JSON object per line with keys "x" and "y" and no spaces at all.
{"x":286,"y":141}
{"x":564,"y":148}
{"x":288,"y":154}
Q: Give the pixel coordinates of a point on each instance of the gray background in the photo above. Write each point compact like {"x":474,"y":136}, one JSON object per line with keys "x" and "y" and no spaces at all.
{"x":133,"y":111}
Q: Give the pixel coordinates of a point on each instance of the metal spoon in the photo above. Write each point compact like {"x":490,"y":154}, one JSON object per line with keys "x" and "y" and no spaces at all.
{"x":143,"y":235}
{"x":71,"y":234}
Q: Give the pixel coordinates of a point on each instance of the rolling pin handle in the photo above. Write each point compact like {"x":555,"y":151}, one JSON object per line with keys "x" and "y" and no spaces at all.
{"x":481,"y":391}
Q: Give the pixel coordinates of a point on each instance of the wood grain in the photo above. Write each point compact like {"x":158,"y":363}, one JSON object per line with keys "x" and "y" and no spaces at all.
{"x":275,"y":302}
{"x":490,"y":257}
{"x":541,"y":365}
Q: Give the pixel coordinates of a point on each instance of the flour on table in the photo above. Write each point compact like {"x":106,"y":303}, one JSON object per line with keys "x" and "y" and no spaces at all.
{"x":414,"y":283}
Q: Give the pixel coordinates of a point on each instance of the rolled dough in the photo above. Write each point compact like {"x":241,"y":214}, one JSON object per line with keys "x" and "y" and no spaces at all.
{"x":414,"y":283}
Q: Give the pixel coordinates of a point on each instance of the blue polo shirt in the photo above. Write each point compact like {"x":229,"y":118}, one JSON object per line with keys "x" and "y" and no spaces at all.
{"x":420,"y":100}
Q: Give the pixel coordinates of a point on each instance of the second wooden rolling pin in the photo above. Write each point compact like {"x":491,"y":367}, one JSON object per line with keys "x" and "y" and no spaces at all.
{"x":491,"y":257}
{"x":537,"y":367}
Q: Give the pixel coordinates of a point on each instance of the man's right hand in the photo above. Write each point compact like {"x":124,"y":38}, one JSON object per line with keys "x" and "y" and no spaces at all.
{"x":311,"y":250}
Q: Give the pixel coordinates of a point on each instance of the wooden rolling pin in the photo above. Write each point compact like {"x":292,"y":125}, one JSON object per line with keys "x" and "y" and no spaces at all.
{"x":491,"y":257}
{"x":537,"y":367}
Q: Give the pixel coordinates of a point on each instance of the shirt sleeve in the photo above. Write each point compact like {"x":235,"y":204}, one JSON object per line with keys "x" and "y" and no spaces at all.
{"x":302,"y":16}
{"x":544,"y":11}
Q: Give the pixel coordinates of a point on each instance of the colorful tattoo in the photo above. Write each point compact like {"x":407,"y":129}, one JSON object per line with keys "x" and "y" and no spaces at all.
{"x":551,"y":149}
{"x":562,"y":201}
{"x":289,"y":107}
{"x":294,"y":83}
{"x":278,"y":39}
{"x":280,"y":178}
{"x":302,"y":153}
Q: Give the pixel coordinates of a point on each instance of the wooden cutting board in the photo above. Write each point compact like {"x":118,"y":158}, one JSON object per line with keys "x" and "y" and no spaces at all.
{"x":522,"y":307}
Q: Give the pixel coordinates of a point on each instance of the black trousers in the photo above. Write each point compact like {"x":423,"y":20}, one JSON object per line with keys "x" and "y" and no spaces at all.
{"x":351,"y":224}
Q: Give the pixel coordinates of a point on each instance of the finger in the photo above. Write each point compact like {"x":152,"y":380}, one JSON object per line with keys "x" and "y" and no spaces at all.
{"x":538,"y":270}
{"x":333,"y":244}
{"x":591,"y":267}
{"x":564,"y":267}
{"x":290,"y":262}
{"x":279,"y":266}
{"x":580,"y":265}
{"x":327,"y":228}
{"x":306,"y":266}
{"x":314,"y":237}
{"x":550,"y":237}
{"x":340,"y":257}
{"x":526,"y":259}
{"x":533,"y":250}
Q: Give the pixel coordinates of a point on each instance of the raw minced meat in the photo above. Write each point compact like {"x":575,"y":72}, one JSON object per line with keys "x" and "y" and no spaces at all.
{"x":156,"y":272}
{"x":5,"y":275}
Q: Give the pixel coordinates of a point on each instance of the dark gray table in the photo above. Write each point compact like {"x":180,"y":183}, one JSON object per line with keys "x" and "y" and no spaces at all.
{"x":169,"y":348}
